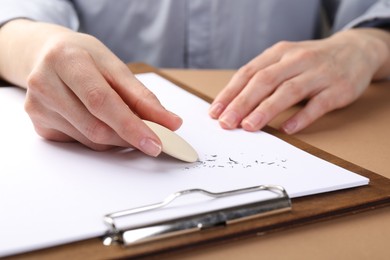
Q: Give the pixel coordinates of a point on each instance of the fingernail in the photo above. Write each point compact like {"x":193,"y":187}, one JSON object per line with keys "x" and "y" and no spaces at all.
{"x":215,"y":110}
{"x":229,"y":120}
{"x":253,"y":122}
{"x":290,"y":126}
{"x":150,"y":147}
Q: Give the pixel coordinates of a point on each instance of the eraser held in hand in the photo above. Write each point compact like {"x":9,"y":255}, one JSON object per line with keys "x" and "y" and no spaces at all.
{"x":173,"y":144}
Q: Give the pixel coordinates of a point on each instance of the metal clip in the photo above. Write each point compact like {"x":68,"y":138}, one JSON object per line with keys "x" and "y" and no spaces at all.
{"x":182,"y":225}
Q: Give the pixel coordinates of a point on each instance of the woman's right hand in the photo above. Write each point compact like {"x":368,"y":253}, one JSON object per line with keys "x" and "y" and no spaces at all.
{"x":77,"y":89}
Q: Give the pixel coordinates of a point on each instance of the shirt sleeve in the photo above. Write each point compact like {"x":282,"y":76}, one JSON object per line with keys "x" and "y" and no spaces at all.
{"x":377,"y":15}
{"x":61,"y":12}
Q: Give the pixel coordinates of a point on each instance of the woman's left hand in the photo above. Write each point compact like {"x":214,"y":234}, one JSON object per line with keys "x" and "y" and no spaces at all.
{"x":329,"y":73}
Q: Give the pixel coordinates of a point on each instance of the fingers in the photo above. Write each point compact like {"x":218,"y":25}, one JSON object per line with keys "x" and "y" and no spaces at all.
{"x":75,"y":100}
{"x":101,"y":101}
{"x":141,"y":100}
{"x":47,"y":122}
{"x":262,"y":89}
{"x":286,"y":95}
{"x":241,"y":79}
{"x":327,"y":100}
{"x":66,"y":104}
{"x":86,"y":93}
{"x":325,"y":72}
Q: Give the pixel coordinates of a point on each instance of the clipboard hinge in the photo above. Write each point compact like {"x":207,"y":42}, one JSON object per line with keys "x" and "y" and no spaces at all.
{"x":280,"y":203}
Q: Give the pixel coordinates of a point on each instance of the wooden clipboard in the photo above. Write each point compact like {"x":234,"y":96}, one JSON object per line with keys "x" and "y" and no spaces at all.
{"x":306,"y":210}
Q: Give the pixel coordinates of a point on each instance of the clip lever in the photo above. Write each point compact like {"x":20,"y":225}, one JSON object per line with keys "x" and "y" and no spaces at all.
{"x":198,"y":222}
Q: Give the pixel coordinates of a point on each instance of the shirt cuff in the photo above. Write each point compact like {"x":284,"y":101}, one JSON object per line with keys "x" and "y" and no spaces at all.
{"x":377,"y":16}
{"x":53,"y":11}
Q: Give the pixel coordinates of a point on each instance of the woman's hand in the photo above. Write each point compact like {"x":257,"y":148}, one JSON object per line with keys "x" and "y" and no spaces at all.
{"x":79,"y":90}
{"x":329,"y":73}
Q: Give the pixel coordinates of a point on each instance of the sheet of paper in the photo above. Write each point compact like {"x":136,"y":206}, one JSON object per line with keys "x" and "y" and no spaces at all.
{"x":53,"y":193}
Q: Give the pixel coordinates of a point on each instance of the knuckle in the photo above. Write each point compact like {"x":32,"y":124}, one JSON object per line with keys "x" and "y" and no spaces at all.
{"x":122,"y":68}
{"x":269,"y":107}
{"x":36,"y":82}
{"x":35,"y":110}
{"x":345,"y":93}
{"x":292,"y":89}
{"x":46,"y":133}
{"x":43,"y":132}
{"x":265,"y":77}
{"x":344,"y":99}
{"x":324,"y":104}
{"x":30,"y":107}
{"x":305,"y":54}
{"x":282,"y":46}
{"x":40,"y":121}
{"x":60,"y":52}
{"x":95,"y":99}
{"x":240,"y":102}
{"x":145,"y":97}
{"x":148,"y":95}
{"x":246,"y":71}
{"x":56,"y":49}
{"x":98,"y":132}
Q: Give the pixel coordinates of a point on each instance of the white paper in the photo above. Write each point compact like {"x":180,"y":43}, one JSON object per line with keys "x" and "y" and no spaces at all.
{"x":53,"y":193}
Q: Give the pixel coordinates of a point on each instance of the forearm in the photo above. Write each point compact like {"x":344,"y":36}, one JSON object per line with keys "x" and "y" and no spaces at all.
{"x":21,"y":42}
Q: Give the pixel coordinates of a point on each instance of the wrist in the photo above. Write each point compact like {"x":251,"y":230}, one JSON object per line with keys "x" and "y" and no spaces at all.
{"x":21,"y":41}
{"x":375,"y":44}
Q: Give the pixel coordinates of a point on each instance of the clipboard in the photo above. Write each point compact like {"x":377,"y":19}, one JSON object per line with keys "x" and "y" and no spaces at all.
{"x":305,"y":210}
